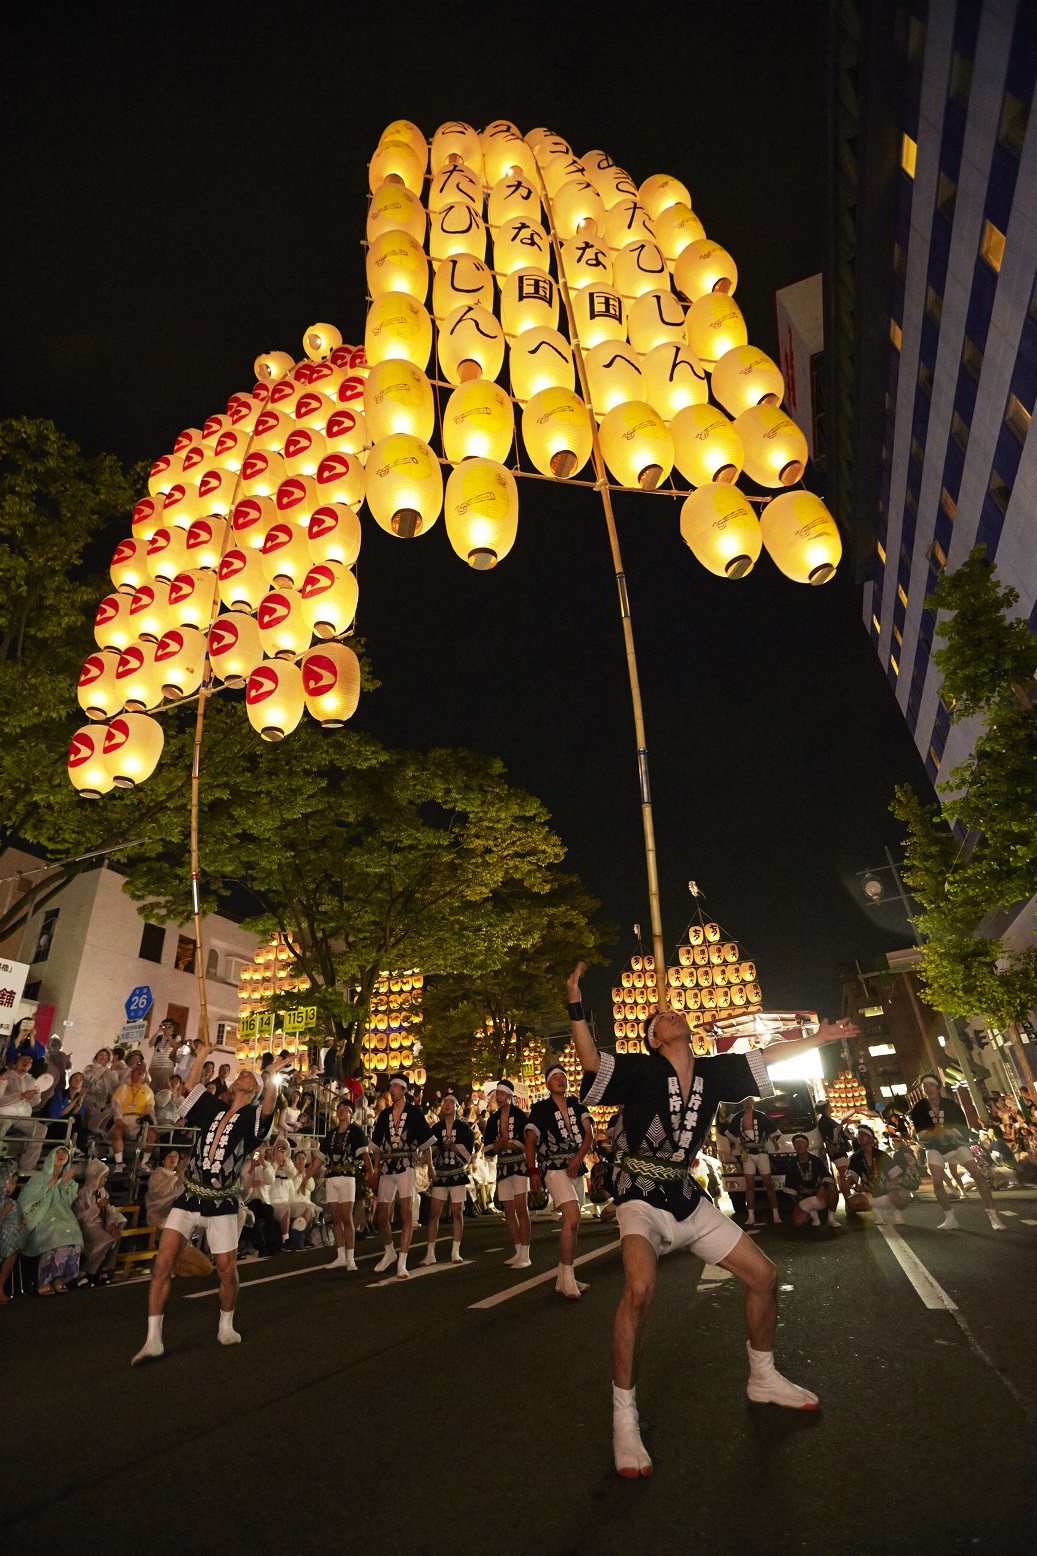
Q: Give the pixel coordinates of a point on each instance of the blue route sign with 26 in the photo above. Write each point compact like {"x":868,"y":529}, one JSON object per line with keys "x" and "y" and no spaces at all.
{"x":139,"y":1003}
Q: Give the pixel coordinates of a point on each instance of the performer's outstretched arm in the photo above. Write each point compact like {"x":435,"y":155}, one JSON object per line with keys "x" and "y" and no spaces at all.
{"x":582,"y":1039}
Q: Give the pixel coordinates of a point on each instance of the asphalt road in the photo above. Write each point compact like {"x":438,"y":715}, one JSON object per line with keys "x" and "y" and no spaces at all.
{"x":400,"y":1418}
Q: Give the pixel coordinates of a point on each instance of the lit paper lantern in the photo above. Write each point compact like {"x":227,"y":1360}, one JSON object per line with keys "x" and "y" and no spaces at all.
{"x":540,"y":358}
{"x":613,"y":184}
{"x":404,"y":485}
{"x":627,"y":222}
{"x":192,"y":598}
{"x":481,"y":512}
{"x":713,"y":326}
{"x":149,"y":611}
{"x":398,"y":398}
{"x":455,"y":139}
{"x":285,"y":556}
{"x":86,"y":769}
{"x":471,"y":344}
{"x":478,"y":423}
{"x":556,"y":430}
{"x":326,"y":376}
{"x":205,"y":542}
{"x":505,"y":153}
{"x":675,"y":228}
{"x":304,"y":449}
{"x":613,"y":376}
{"x":129,"y":565}
{"x":586,"y":262}
{"x":655,"y":319}
{"x":242,"y":411}
{"x":262,"y":472}
{"x":283,"y":629}
{"x":241,"y":580}
{"x":394,"y":208}
{"x":636,"y":444}
{"x":216,"y":489}
{"x":272,"y":366}
{"x":296,"y":498}
{"x":329,"y":596}
{"x":273,"y":427}
{"x":520,"y":243}
{"x":231,"y":446}
{"x":167,"y":470}
{"x":514,"y":198}
{"x":147,"y":517}
{"x":98,"y":692}
{"x":312,"y":409}
{"x":406,"y":130}
{"x":334,"y":534}
{"x":461,"y":279}
{"x":801,"y":537}
{"x":600,"y":314}
{"x":182,"y":505}
{"x":274,"y":698}
{"x":775,"y":448}
{"x":543,"y":142}
{"x":706,"y":446}
{"x":331,"y":684}
{"x":703,"y":267}
{"x":396,"y":161}
{"x":396,"y":262}
{"x":560,"y":169}
{"x":639,"y":268}
{"x":251,"y":519}
{"x":529,"y":298}
{"x":346,"y":432}
{"x":454,"y":185}
{"x":138,"y":678}
{"x":180,"y":661}
{"x":576,"y":203}
{"x":720,"y":528}
{"x":456,"y":229}
{"x":282,"y":398}
{"x":398,"y":326}
{"x":660,"y":192}
{"x":746,"y":377}
{"x":674,"y":377}
{"x":235,"y":647}
{"x":167,"y":553}
{"x":340,"y":478}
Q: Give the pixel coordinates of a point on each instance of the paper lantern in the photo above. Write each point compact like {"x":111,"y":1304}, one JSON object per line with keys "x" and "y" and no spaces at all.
{"x":304,"y":449}
{"x":520,"y":243}
{"x":639,"y":268}
{"x":514,"y":198}
{"x":801,"y":537}
{"x":297,"y":497}
{"x":454,"y":185}
{"x":149,"y":611}
{"x":138,"y":678}
{"x":340,"y":478}
{"x":262,"y":471}
{"x":613,"y":376}
{"x":529,"y":298}
{"x":272,"y":366}
{"x":674,"y":377}
{"x":192,"y":598}
{"x":86,"y":769}
{"x":706,"y":446}
{"x":396,"y":262}
{"x":274,"y":698}
{"x":597,"y":165}
{"x":540,"y":358}
{"x":545,"y":142}
{"x":180,"y":661}
{"x":312,"y":409}
{"x":325,"y":377}
{"x":556,"y":430}
{"x":334,"y":534}
{"x":182,"y":505}
{"x":191,"y":437}
{"x":471,"y":344}
{"x":205,"y":543}
{"x":505,"y":152}
{"x":636,"y":445}
{"x":167,"y":470}
{"x":398,"y":398}
{"x":406,"y":130}
{"x":396,"y":161}
{"x":331,"y":684}
{"x":675,"y":228}
{"x":235,"y":647}
{"x":775,"y":448}
{"x":231,"y":446}
{"x":703,"y":267}
{"x":613,"y":184}
{"x":273,"y":427}
{"x":147,"y":517}
{"x":575,"y":204}
{"x":455,"y":139}
{"x":746,"y":377}
{"x":461,"y":279}
{"x":660,"y":192}
{"x":404,"y":485}
{"x":129,"y":565}
{"x":560,"y":169}
{"x":713,"y":326}
{"x":627,"y":222}
{"x":481,"y":512}
{"x":251,"y":519}
{"x":98,"y":692}
{"x":167,"y":553}
{"x":478,"y":423}
{"x":242,"y":410}
{"x":283,"y":629}
{"x":346,"y":432}
{"x":216,"y":489}
{"x":394,"y":208}
{"x":320,"y":340}
{"x":241,"y":580}
{"x":398,"y":326}
{"x":655,"y":319}
{"x":600,"y":314}
{"x":329,"y":597}
{"x":586,"y":262}
{"x":721,"y":529}
{"x":285,"y":556}
{"x":456,"y":229}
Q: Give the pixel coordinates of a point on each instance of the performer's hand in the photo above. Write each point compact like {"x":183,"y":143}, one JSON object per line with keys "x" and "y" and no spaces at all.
{"x":828,"y":1030}
{"x":573,"y":1169}
{"x":573,"y":985}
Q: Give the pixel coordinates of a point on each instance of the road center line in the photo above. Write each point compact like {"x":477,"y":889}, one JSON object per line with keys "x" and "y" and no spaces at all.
{"x":417,"y":1273}
{"x":310,"y":1269}
{"x":929,"y":1289}
{"x":538,"y":1280}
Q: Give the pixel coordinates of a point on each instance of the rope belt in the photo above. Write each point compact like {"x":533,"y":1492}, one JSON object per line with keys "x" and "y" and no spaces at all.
{"x":652,"y":1167}
{"x":344,"y":1170}
{"x":201,"y":1191}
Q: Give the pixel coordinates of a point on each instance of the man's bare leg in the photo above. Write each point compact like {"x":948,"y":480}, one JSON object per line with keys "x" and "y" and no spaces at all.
{"x":567,"y":1284}
{"x":406,"y":1230}
{"x":169,"y":1248}
{"x":511,"y":1217}
{"x":750,"y":1197}
{"x":772,"y":1198}
{"x":227,"y":1270}
{"x":435,"y":1211}
{"x":383,"y":1218}
{"x":628,"y":1334}
{"x":760,"y":1279}
{"x":458,"y":1220}
{"x":943,"y":1199}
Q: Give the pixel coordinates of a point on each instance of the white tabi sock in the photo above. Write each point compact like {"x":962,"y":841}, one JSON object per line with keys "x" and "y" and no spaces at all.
{"x":350,"y":1259}
{"x":521,"y":1261}
{"x":566,"y":1282}
{"x":387,"y":1260}
{"x":767,"y":1386}
{"x":402,"y":1273}
{"x":118,"y":1158}
{"x":455,"y":1252}
{"x":340,"y":1257}
{"x":152,"y":1346}
{"x":815,"y":1219}
{"x":631,"y":1457}
{"x":995,"y":1221}
{"x":227,"y":1334}
{"x":430,"y":1255}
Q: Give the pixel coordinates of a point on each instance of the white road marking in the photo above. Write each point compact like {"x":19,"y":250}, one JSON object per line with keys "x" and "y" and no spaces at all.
{"x":416,"y":1274}
{"x":1027,"y":1221}
{"x":930,"y":1291}
{"x":1005,"y":1212}
{"x":310,"y":1269}
{"x":538,"y":1280}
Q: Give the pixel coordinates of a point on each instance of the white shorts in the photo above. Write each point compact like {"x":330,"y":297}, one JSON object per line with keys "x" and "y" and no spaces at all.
{"x":563,"y":1189}
{"x":705,"y":1232}
{"x":392,"y":1183}
{"x":760,"y":1163}
{"x":221,"y":1232}
{"x":961,"y":1157}
{"x":131,"y":1125}
{"x":511,"y":1188}
{"x":340,"y":1190}
{"x":812,"y":1202}
{"x":454,"y":1192}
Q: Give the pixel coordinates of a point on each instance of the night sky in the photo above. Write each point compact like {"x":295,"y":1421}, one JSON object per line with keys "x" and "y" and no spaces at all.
{"x":186,"y":187}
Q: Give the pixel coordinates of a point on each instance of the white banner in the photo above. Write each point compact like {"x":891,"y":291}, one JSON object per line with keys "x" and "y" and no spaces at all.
{"x":12,"y":985}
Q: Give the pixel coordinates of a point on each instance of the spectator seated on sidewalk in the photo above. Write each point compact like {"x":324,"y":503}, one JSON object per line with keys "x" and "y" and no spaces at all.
{"x":12,"y":1223}
{"x":53,"y":1234}
{"x":133,"y":1107}
{"x":101,"y":1225}
{"x":20,"y":1094}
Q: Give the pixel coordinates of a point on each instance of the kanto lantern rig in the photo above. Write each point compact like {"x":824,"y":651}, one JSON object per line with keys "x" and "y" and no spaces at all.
{"x":609,"y":314}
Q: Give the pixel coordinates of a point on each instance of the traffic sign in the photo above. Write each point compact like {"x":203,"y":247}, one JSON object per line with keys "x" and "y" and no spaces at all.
{"x":133,"y":1032}
{"x":139,"y":1003}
